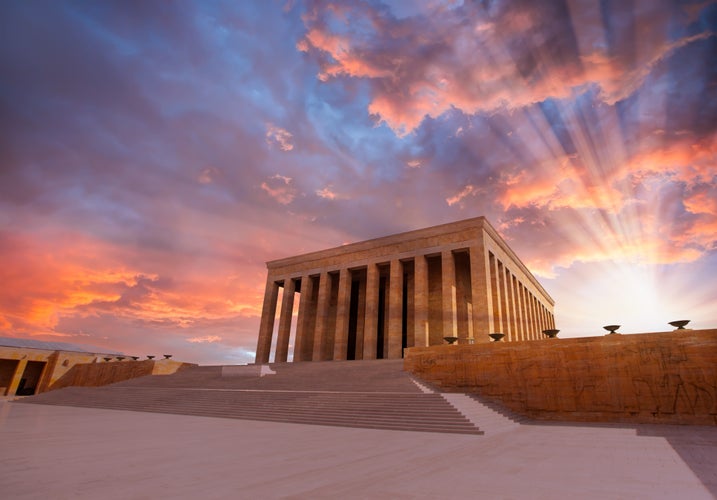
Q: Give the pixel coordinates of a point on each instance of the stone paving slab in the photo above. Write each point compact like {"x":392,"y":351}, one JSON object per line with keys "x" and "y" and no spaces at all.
{"x":64,"y":452}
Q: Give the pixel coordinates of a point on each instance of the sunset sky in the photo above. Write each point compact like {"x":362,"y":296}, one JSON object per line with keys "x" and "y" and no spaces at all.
{"x":154,"y":155}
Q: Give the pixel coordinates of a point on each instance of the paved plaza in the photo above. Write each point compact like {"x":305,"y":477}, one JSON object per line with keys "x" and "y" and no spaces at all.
{"x":65,"y":452}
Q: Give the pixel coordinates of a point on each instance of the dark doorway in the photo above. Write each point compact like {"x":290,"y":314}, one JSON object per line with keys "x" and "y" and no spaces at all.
{"x":404,"y":314}
{"x":7,"y":370}
{"x":353,"y":320}
{"x":381,"y":326}
{"x":30,"y":378}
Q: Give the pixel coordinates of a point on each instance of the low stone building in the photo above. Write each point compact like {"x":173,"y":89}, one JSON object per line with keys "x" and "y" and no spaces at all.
{"x":372,"y":299}
{"x":30,"y":366}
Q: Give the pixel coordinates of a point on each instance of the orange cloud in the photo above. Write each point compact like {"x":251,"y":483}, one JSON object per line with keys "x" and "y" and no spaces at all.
{"x":41,"y":285}
{"x":657,"y":207}
{"x":470,"y":63}
{"x":82,"y":277}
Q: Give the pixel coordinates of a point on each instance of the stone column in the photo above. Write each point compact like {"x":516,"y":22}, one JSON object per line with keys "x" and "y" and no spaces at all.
{"x":521,"y":310}
{"x":528,"y":314}
{"x":395,"y":310}
{"x":302,"y":323}
{"x":504,"y":302}
{"x":448,"y":291}
{"x":46,"y":378}
{"x":539,"y":318}
{"x":420,"y":308}
{"x":371,"y":321}
{"x":321,"y":317}
{"x":287,"y":310}
{"x":513,"y":307}
{"x":496,"y":292}
{"x":266,"y":326}
{"x":342,"y":315}
{"x":481,"y":298}
{"x":518,"y":309}
{"x":534,"y":317}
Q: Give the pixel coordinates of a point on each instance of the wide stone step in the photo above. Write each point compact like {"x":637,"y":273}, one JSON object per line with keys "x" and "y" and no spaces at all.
{"x":373,"y":423}
{"x":370,"y":394}
{"x":409,"y":412}
{"x":324,"y":405}
{"x":243,"y":410}
{"x":371,"y":376}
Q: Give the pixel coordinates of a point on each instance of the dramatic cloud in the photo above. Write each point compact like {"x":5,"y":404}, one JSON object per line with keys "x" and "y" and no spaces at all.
{"x":155,"y":156}
{"x":480,"y":59}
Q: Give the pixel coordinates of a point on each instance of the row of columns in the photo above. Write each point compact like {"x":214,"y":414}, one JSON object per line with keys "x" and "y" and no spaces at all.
{"x":518,"y":313}
{"x":489,"y":299}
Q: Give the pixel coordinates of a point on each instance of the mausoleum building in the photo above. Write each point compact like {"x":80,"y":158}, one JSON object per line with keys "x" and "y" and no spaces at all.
{"x":372,"y":299}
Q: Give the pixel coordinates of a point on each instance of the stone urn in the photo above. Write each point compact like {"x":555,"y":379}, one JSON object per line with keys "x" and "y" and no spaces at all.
{"x":451,"y":340}
{"x":551,"y":333}
{"x":611,"y":328}
{"x":679,"y":324}
{"x":120,"y":358}
{"x":150,"y":357}
{"x":167,"y":356}
{"x":496,"y":336}
{"x":107,"y":359}
{"x":134,"y":358}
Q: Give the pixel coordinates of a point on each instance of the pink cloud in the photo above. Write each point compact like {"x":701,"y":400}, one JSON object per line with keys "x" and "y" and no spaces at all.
{"x":210,"y":339}
{"x":458,"y":197}
{"x":280,"y":188}
{"x":470,"y":60}
{"x":328,"y":193}
{"x":279,"y":137}
{"x":208,"y":175}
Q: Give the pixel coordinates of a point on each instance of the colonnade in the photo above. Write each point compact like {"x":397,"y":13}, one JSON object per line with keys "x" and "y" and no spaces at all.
{"x":517,"y":310}
{"x":374,"y":308}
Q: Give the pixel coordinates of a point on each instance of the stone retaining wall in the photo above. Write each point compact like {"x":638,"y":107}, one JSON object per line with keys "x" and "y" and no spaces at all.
{"x":98,"y":374}
{"x":666,"y":377}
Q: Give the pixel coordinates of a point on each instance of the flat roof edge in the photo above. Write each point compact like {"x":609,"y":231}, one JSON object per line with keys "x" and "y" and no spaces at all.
{"x":476,"y":222}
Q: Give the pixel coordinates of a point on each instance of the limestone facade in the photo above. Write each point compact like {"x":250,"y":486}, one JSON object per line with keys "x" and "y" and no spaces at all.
{"x":655,"y":378}
{"x":372,"y":299}
{"x":27,"y":371}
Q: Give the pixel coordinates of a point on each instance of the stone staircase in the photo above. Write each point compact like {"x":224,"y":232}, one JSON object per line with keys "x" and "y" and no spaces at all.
{"x":492,"y":419}
{"x":366,"y":394}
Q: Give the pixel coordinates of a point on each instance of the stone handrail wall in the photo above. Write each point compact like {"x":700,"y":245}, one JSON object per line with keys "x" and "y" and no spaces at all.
{"x":668,"y":377}
{"x":98,"y":374}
